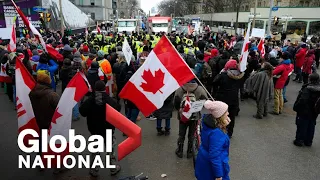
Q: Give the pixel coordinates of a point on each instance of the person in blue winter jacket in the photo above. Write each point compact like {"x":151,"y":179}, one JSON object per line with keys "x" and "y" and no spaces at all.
{"x":50,"y":65}
{"x":213,"y":157}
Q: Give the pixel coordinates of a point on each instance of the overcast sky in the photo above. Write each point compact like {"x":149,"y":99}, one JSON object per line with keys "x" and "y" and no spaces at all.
{"x":146,"y":5}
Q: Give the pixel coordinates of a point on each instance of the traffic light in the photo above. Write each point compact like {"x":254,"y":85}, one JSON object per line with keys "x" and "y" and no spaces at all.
{"x":41,"y":16}
{"x":48,"y":16}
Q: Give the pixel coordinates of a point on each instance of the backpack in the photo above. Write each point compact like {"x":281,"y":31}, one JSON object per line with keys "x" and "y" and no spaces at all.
{"x":206,"y":71}
{"x":192,"y":98}
{"x":203,"y":70}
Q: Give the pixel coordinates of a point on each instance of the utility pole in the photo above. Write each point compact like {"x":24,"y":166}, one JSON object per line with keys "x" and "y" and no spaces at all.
{"x":269,"y":22}
{"x":61,"y":17}
{"x":254,"y":14}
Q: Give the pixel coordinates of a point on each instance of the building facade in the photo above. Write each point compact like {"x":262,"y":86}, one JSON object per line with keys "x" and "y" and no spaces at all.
{"x":98,"y":10}
{"x":128,"y":8}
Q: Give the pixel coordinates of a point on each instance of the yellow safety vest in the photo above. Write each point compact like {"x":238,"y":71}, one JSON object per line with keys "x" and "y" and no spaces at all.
{"x":99,"y":36}
{"x":186,"y":50}
{"x":140,"y":49}
{"x":105,"y":49}
{"x":154,"y":43}
{"x":177,"y":39}
{"x":137,"y":45}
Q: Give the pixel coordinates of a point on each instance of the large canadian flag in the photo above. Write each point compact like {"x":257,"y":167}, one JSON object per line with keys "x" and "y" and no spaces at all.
{"x":24,"y":84}
{"x":61,"y":120}
{"x":261,"y":47}
{"x":245,"y":50}
{"x":161,"y":74}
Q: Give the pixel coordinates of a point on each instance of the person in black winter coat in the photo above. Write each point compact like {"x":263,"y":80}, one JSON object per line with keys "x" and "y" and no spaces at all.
{"x":228,"y":83}
{"x":165,"y":112}
{"x":120,"y":70}
{"x":65,"y":73}
{"x":305,"y":107}
{"x":93,"y":74}
{"x":94,"y":108}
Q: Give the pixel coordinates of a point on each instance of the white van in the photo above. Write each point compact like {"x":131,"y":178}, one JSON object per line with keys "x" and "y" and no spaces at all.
{"x":160,"y":24}
{"x":127,"y":25}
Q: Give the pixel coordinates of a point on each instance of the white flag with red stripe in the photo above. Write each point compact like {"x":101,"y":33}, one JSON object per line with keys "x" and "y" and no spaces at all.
{"x":261,"y":47}
{"x":24,"y":84}
{"x":13,"y":39}
{"x":61,"y":120}
{"x":245,"y":50}
{"x":30,"y":26}
{"x":4,"y":77}
{"x":161,"y":74}
{"x":86,"y":33}
{"x":98,"y":28}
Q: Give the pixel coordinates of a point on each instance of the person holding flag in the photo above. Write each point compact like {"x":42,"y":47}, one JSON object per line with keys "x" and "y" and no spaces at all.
{"x":184,"y":96}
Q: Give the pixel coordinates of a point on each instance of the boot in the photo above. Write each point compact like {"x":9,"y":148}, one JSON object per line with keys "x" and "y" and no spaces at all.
{"x":189,"y":150}
{"x":179,"y":150}
{"x":167,"y":132}
{"x":160,"y":131}
{"x":115,"y":170}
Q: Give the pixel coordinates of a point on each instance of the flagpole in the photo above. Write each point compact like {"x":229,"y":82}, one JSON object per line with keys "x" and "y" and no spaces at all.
{"x":61,"y":18}
{"x":191,"y":70}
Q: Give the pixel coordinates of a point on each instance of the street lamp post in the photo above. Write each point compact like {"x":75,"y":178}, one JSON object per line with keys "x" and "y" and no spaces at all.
{"x":254,"y":15}
{"x":174,"y":12}
{"x":269,"y":21}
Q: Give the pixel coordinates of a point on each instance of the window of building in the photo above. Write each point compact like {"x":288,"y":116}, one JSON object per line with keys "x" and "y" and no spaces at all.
{"x":92,"y":2}
{"x":93,"y":16}
{"x":121,"y":3}
{"x":259,"y":4}
{"x":80,"y":2}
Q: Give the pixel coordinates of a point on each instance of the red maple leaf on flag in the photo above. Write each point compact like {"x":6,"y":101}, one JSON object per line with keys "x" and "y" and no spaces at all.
{"x":245,"y":49}
{"x":153,"y":83}
{"x":186,"y":108}
{"x":56,"y":116}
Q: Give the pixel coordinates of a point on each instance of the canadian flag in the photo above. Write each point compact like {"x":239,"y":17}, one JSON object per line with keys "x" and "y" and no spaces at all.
{"x":98,"y":28}
{"x":86,"y":33}
{"x":30,"y":26}
{"x":245,"y":50}
{"x":161,"y":74}
{"x":13,"y":40}
{"x":190,"y":31}
{"x":24,"y":84}
{"x":3,"y":74}
{"x":186,"y":110}
{"x":261,"y":47}
{"x":110,"y":86}
{"x":61,"y":120}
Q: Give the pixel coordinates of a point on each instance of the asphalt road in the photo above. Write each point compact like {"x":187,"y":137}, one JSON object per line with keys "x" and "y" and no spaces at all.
{"x":260,"y":149}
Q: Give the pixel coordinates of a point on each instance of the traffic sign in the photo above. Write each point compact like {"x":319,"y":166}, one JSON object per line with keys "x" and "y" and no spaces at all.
{"x":275,"y":8}
{"x":39,"y":9}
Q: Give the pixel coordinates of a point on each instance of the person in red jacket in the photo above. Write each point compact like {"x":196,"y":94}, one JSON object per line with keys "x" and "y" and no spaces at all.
{"x":300,"y":56}
{"x":283,"y":70}
{"x":308,"y":64}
